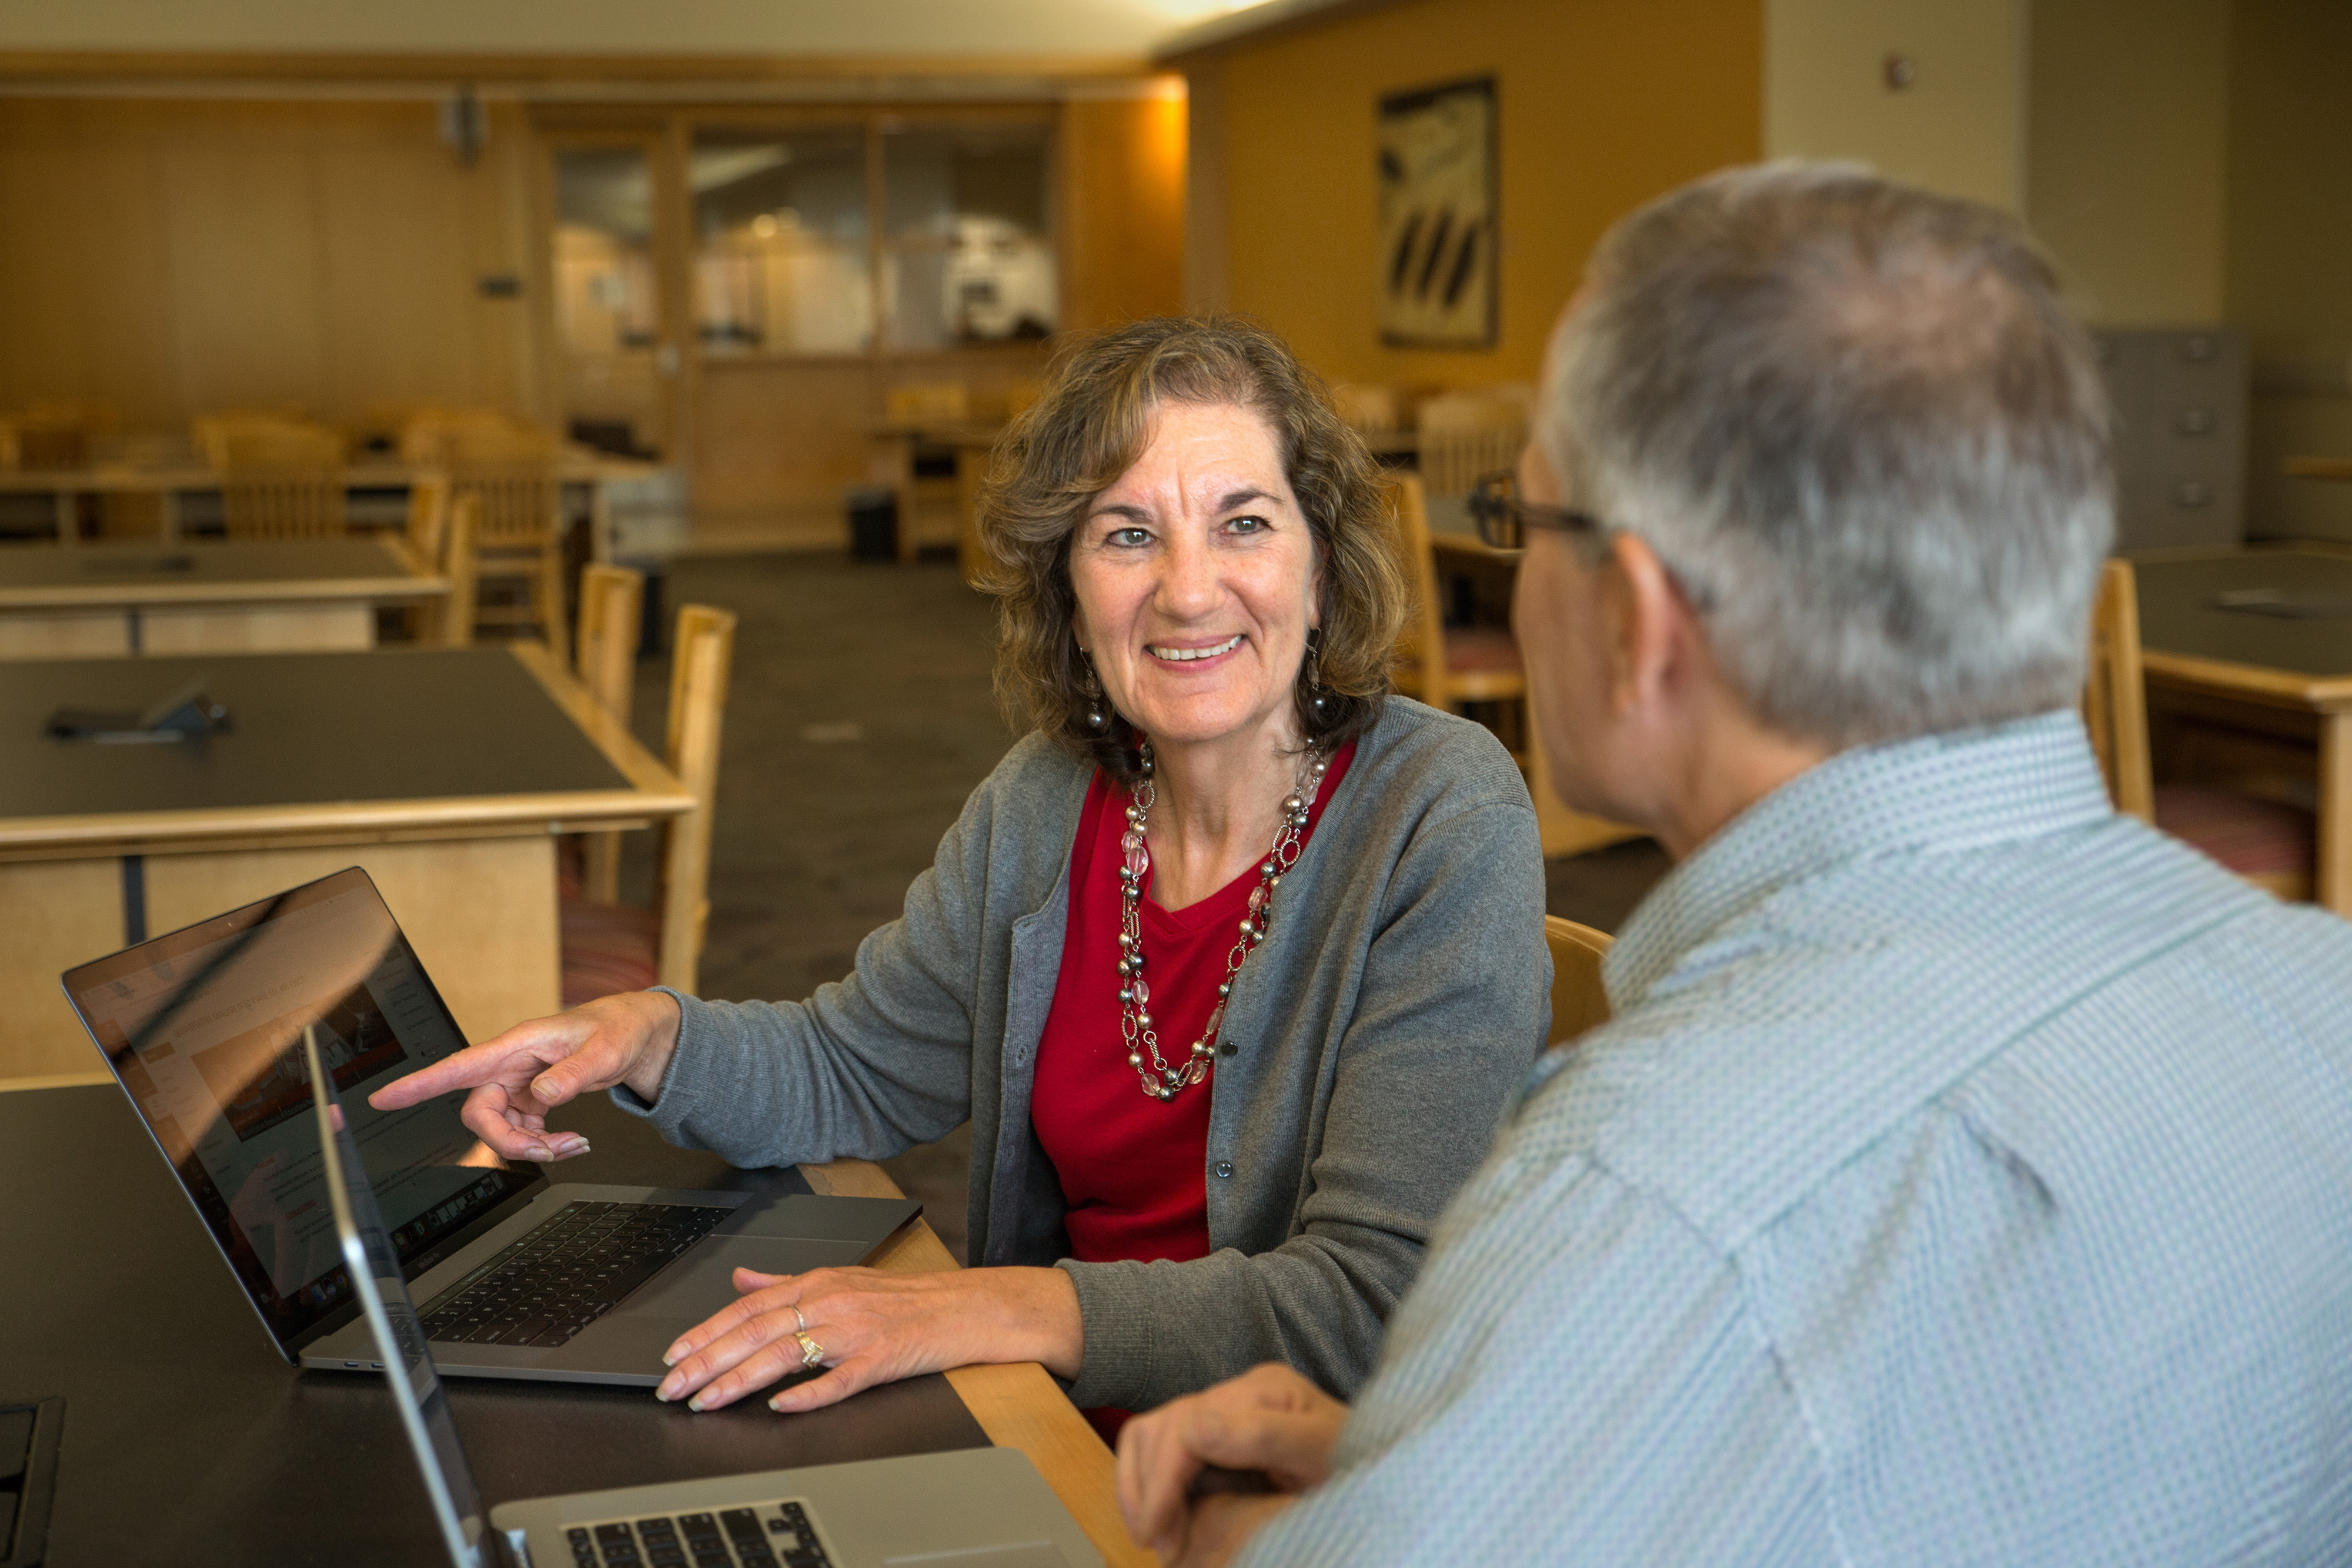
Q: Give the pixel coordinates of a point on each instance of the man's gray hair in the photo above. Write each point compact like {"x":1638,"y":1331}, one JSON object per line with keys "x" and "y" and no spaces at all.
{"x":1856,"y":423}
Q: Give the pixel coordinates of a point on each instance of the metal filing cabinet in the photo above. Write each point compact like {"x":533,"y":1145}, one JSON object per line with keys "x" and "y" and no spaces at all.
{"x":2179,"y":398}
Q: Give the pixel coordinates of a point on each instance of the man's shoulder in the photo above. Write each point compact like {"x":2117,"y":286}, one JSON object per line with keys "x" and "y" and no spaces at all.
{"x":1822,"y":1021}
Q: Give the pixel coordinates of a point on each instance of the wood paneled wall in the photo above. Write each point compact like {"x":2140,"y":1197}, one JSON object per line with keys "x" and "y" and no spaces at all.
{"x":1602,"y":105}
{"x":1123,"y":178}
{"x":172,"y":257}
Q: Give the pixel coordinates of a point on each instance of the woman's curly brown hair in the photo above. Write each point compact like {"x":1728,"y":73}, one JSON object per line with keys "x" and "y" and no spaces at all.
{"x":1089,"y":428}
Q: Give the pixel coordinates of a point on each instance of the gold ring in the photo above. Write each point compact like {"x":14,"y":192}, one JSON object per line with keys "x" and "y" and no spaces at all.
{"x":812,"y":1353}
{"x":798,"y":1319}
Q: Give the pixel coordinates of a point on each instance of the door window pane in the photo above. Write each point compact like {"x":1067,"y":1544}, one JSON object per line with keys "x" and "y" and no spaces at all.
{"x":606,"y":302}
{"x":781,"y":263}
{"x":971,"y":253}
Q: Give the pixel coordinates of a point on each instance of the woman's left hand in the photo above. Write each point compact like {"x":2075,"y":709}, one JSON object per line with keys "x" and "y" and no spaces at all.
{"x":873,"y":1327}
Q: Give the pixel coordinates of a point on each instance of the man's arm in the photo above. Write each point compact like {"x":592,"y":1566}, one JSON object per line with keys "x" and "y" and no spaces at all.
{"x":1198,"y":1475}
{"x":1575,"y":1377}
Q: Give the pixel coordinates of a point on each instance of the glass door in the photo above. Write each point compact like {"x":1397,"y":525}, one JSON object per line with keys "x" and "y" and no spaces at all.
{"x":619,"y":354}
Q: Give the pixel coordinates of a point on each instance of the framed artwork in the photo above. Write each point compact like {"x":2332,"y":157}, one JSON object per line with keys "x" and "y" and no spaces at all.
{"x":1437,"y":252}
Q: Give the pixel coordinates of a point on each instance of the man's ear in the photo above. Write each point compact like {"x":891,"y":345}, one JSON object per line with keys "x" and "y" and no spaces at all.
{"x":1651,"y":627}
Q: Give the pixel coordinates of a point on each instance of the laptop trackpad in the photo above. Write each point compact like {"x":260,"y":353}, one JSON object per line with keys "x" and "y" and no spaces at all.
{"x":1027,"y":1555}
{"x":702,"y":1283}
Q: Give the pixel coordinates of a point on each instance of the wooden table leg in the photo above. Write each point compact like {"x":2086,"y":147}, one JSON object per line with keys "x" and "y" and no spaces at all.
{"x":599,"y":523}
{"x":907,"y":543}
{"x":2332,"y":887}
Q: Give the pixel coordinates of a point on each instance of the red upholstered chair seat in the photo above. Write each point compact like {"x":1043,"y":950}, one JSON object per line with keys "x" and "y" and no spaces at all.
{"x":2251,"y":836}
{"x":607,"y":948}
{"x":1480,"y":648}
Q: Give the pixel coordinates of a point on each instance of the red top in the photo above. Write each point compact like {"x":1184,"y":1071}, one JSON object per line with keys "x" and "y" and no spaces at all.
{"x":1134,"y":1169}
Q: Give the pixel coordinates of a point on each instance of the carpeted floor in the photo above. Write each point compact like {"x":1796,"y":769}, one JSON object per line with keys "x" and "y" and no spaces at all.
{"x":860,"y":715}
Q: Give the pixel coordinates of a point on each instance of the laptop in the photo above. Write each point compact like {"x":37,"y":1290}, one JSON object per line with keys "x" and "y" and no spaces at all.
{"x":975,"y":1508}
{"x":519,"y":1277}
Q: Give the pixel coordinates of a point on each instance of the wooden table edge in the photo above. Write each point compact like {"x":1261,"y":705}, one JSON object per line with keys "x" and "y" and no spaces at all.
{"x":1018,"y":1405}
{"x":228,"y":595}
{"x":611,"y":737}
{"x":402,"y":582}
{"x":2282,"y":689}
{"x":199,"y":829}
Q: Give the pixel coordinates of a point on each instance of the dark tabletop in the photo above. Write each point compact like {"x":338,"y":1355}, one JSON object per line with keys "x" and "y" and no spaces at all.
{"x":141,"y":566}
{"x":189,"y":1440}
{"x":404,"y":725}
{"x":2285,"y":609}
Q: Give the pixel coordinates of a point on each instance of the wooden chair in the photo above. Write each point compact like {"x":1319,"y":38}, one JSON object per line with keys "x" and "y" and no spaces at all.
{"x":1443,"y":665}
{"x":519,"y":536}
{"x":610,"y":948}
{"x":2114,"y":695}
{"x":929,"y":503}
{"x":458,"y":565}
{"x":1448,"y":666}
{"x":1579,"y":999}
{"x":1466,"y":434}
{"x":38,"y":438}
{"x":2275,"y":845}
{"x":611,"y":599}
{"x":1376,"y":408}
{"x":425,"y":540}
{"x":281,"y":481}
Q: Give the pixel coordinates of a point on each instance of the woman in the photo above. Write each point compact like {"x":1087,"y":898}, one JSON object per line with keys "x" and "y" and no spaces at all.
{"x":1233,"y":962}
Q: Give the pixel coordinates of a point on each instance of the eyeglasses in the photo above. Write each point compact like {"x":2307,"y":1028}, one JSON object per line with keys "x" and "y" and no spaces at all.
{"x":1504,"y":519}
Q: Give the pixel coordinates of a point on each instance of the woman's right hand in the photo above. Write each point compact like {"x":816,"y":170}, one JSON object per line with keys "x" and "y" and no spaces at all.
{"x":518,"y":1077}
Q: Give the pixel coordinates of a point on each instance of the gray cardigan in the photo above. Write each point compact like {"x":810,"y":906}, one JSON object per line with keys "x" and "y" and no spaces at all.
{"x":1397,"y":1004}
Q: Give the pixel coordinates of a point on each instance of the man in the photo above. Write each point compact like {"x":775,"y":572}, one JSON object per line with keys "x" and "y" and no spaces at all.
{"x":1966,"y":1175}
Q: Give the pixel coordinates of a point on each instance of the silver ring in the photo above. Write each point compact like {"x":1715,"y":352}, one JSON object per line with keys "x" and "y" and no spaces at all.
{"x":798,"y":1319}
{"x":812,"y":1353}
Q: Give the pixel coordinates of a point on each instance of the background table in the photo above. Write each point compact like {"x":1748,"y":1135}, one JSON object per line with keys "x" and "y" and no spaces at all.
{"x":445,"y":772}
{"x":167,"y":467}
{"x":2283,"y":678}
{"x":292,"y":596}
{"x":189,"y":1440}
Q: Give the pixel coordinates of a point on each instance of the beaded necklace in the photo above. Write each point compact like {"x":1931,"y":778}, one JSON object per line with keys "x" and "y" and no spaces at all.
{"x":1160,"y":1081}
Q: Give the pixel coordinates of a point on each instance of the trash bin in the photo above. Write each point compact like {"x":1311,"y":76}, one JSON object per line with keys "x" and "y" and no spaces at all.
{"x":873,"y":523}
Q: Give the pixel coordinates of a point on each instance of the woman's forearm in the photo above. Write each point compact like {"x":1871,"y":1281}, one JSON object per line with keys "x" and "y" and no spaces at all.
{"x":658,"y":1043}
{"x":1035,"y":1316}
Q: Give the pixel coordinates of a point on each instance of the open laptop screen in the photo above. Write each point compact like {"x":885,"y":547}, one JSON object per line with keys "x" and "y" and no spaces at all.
{"x":408,"y":1368}
{"x":204,"y":1026}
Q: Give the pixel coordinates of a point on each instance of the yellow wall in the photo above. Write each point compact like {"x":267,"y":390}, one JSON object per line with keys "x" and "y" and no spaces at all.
{"x":2290,"y":252}
{"x":2127,"y":120}
{"x":1960,"y":125}
{"x":1603,"y":104}
{"x":168,"y":257}
{"x":1123,"y":184}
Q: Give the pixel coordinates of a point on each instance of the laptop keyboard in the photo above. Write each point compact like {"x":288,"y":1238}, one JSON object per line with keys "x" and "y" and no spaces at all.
{"x":570,"y":1270}
{"x":770,"y":1535}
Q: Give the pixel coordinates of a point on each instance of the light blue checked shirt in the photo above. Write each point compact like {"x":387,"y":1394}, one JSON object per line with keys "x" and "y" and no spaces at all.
{"x":1966,"y":1178}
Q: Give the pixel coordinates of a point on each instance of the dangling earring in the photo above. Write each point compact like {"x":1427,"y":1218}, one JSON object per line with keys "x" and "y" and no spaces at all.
{"x":1318,"y":701}
{"x":1097,"y":718}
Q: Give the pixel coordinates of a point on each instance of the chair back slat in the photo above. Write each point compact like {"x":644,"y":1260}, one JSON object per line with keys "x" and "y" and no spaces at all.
{"x":1465,"y":435}
{"x":1421,"y":646}
{"x":458,"y":564}
{"x":280,"y":478}
{"x":702,"y":655}
{"x":610,"y":604}
{"x":2114,"y":695}
{"x":1579,"y":999}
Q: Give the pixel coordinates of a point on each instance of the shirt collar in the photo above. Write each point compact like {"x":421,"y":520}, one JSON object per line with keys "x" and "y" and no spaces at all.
{"x":1958,"y":789}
